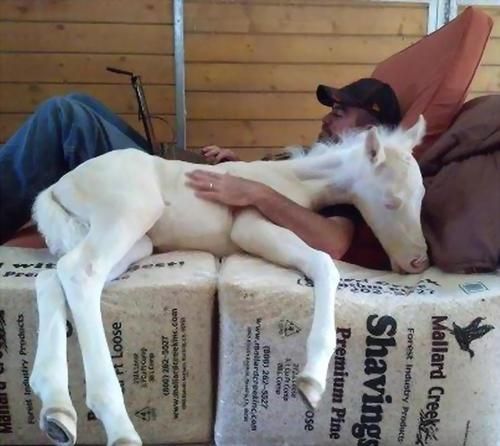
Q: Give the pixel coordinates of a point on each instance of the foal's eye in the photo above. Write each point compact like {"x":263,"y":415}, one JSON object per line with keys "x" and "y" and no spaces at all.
{"x":392,"y":202}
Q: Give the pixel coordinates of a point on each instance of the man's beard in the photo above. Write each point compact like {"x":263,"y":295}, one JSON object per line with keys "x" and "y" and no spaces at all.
{"x":328,"y":139}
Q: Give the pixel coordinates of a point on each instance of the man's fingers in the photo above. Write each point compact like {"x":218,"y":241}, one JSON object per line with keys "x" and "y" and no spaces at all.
{"x":207,"y":195}
{"x":202,"y":184}
{"x":211,"y":152}
{"x":211,"y":148}
{"x":199,"y":185}
{"x":200,"y":174}
{"x":221,"y":156}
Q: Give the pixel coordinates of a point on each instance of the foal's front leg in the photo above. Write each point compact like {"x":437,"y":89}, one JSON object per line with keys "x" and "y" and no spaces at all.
{"x":83,"y":272}
{"x":258,"y":236}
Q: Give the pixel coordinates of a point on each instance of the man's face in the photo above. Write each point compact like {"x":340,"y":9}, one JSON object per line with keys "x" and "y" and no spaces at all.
{"x":340,"y":119}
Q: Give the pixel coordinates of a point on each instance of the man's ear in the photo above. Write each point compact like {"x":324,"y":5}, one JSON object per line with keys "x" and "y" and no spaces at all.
{"x":374,"y":149}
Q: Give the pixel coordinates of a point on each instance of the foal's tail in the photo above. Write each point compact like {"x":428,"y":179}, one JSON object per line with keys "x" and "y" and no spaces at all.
{"x":61,"y":229}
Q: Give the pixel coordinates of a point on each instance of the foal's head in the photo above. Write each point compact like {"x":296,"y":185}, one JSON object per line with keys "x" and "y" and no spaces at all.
{"x":388,"y":190}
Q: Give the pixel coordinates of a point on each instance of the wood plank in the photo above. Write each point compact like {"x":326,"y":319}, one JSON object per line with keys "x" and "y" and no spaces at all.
{"x":494,"y":13}
{"x":487,"y":78}
{"x":492,"y":53}
{"x":157,"y":39}
{"x":350,"y":3}
{"x":293,"y":48}
{"x":88,"y":38}
{"x":255,"y":134}
{"x":137,"y":11}
{"x":24,"y":98}
{"x":59,"y":67}
{"x":230,"y":134}
{"x":233,"y":134}
{"x":269,"y":77}
{"x":305,"y":19}
{"x":222,"y":105}
{"x":475,"y":94}
{"x":9,"y":123}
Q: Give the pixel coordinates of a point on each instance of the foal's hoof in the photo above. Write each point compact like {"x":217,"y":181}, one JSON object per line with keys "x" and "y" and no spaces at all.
{"x":60,"y":426}
{"x":310,"y":390}
{"x":127,"y":442}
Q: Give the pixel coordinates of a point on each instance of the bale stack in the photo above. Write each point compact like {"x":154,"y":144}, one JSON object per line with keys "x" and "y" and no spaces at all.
{"x":416,"y":362}
{"x":158,"y":318}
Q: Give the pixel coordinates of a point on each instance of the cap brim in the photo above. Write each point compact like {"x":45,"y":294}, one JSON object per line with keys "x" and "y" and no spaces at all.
{"x":328,"y":96}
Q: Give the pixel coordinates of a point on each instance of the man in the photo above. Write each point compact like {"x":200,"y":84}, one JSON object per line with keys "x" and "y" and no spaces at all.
{"x":64,"y":132}
{"x":363,"y":103}
{"x":61,"y":134}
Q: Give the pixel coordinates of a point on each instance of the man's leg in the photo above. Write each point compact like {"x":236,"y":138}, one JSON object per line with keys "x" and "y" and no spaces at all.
{"x":109,"y":116}
{"x":60,"y":135}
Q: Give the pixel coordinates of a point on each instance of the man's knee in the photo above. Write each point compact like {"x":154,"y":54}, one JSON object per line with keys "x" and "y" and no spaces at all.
{"x":68,"y":102}
{"x":57,"y":105}
{"x":83,"y":99}
{"x":68,"y":109}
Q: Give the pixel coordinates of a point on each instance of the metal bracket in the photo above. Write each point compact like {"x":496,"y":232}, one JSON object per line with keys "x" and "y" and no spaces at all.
{"x":437,"y":15}
{"x":180,"y":80}
{"x":454,"y":4}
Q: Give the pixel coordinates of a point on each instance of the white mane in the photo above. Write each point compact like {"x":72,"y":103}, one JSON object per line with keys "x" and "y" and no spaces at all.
{"x":390,"y":137}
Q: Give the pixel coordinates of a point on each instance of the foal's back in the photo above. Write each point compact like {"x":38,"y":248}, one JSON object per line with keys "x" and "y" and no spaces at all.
{"x":188,"y":222}
{"x":128,"y":183}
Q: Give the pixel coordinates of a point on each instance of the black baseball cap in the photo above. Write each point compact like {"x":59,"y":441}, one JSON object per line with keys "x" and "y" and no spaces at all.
{"x":370,"y":94}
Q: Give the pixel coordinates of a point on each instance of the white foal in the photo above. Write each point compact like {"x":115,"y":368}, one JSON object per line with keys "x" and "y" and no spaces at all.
{"x":112,"y":210}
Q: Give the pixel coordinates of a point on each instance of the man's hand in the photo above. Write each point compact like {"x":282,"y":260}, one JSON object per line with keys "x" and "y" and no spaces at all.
{"x":225,"y":189}
{"x":216,"y":155}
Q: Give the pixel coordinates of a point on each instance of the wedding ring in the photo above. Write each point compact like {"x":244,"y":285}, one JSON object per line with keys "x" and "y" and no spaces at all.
{"x":211,"y":186}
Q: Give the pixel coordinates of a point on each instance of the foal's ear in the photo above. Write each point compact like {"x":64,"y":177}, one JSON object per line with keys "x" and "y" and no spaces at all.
{"x":374,"y":148}
{"x":417,"y":132}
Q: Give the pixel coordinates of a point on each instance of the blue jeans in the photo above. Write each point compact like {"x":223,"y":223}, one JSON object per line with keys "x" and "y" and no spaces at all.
{"x":61,"y":134}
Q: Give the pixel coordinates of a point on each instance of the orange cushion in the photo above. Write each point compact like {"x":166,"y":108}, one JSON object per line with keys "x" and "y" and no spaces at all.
{"x":432,"y":76}
{"x":27,"y":237}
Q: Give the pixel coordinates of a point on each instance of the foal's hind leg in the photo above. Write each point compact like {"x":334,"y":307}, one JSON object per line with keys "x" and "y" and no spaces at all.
{"x":142,"y":248}
{"x":83,"y":272}
{"x":49,"y":377}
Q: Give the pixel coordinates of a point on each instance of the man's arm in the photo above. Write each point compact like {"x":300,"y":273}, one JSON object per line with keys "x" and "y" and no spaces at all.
{"x":331,"y":235}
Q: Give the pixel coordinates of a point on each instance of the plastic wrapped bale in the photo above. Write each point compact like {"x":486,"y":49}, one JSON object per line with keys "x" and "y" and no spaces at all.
{"x":416,"y":362}
{"x":158,"y":319}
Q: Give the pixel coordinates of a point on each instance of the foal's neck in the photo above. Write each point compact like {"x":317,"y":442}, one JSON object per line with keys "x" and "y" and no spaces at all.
{"x":329,"y":174}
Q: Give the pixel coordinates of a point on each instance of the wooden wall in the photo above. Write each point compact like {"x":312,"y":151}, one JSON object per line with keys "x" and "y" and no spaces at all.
{"x":52,"y":47}
{"x":252,"y":66}
{"x":487,"y":78}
